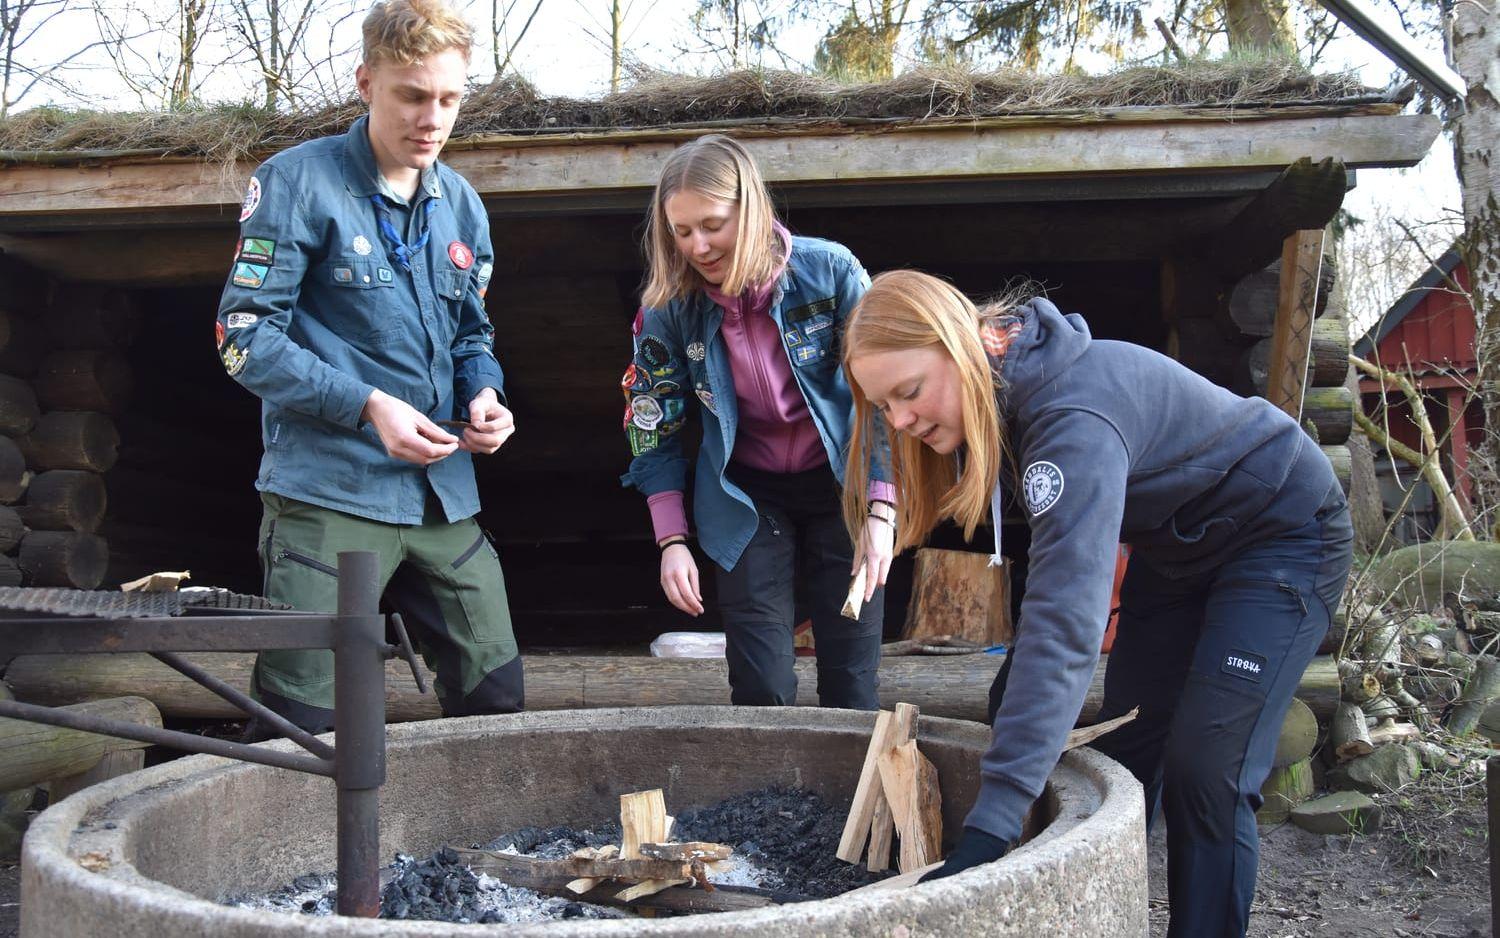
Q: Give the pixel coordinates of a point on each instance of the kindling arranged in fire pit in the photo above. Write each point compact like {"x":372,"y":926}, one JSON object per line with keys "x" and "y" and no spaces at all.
{"x":765,"y":847}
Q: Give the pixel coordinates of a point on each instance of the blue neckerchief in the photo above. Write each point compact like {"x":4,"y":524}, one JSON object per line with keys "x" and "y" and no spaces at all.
{"x":404,"y":252}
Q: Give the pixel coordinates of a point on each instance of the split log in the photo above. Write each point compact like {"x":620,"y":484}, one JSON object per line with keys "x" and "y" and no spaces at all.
{"x":91,"y":317}
{"x":948,"y":687}
{"x":22,"y":344}
{"x":1480,"y":690}
{"x":1284,"y":789}
{"x":15,"y":478}
{"x":910,"y":783}
{"x":891,"y":729}
{"x":542,"y":876}
{"x":1299,"y":735}
{"x":67,"y":439}
{"x":12,"y":528}
{"x":18,"y":407}
{"x":1327,"y":364}
{"x":64,"y":558}
{"x":1342,"y":462}
{"x":688,"y":852}
{"x":643,"y":819}
{"x":65,"y":500}
{"x":957,"y":593}
{"x":31,"y":753}
{"x":1349,"y":733}
{"x":1331,"y":410}
{"x":85,"y":379}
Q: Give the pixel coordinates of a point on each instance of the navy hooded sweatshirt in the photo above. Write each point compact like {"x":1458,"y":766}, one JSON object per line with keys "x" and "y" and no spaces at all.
{"x":1115,"y":442}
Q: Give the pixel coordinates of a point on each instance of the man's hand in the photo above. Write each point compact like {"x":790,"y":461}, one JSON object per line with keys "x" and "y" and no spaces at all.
{"x":974,"y":847}
{"x":406,"y":431}
{"x":490,"y":423}
{"x":679,"y":579}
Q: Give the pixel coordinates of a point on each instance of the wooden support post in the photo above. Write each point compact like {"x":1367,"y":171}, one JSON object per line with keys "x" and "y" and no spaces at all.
{"x":1296,"y":306}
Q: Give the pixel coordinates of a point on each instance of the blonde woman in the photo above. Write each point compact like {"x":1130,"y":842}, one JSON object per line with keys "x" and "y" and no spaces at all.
{"x":740,"y":323}
{"x":1241,"y":547}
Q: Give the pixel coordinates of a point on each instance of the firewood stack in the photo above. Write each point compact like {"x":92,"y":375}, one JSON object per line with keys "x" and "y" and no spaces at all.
{"x":62,"y":377}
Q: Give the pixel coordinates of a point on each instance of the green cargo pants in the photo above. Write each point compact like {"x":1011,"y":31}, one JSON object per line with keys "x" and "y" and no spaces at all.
{"x":444,"y":579}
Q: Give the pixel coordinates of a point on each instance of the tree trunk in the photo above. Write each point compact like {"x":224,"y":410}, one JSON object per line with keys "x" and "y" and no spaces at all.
{"x":1259,"y":24}
{"x":956,"y":593}
{"x":1476,"y":139}
{"x":1365,"y":506}
{"x":941,"y":686}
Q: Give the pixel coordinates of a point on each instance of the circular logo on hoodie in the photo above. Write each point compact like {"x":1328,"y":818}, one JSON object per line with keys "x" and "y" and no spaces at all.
{"x":1043,"y":485}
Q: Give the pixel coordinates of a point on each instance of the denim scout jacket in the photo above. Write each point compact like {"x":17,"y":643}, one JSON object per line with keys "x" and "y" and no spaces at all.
{"x":681,"y":354}
{"x":331,"y":295}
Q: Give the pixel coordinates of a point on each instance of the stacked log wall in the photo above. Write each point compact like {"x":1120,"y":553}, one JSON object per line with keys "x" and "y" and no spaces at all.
{"x":64,"y":378}
{"x":1224,"y":333}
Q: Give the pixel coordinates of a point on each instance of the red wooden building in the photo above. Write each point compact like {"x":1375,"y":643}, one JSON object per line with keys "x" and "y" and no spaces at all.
{"x":1429,"y":334}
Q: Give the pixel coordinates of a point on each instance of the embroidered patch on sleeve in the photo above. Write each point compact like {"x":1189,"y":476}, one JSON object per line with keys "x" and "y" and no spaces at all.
{"x":257,"y":250}
{"x":654,"y":352}
{"x":643,"y":441}
{"x":1043,"y":484}
{"x":1244,"y":664}
{"x":826,"y":305}
{"x":234,"y":359}
{"x":646,"y":412}
{"x":252,"y":200}
{"x":240,"y":320}
{"x":250,"y":275}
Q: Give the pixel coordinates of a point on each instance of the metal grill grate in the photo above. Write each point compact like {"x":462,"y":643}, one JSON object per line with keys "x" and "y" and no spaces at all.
{"x":115,"y":604}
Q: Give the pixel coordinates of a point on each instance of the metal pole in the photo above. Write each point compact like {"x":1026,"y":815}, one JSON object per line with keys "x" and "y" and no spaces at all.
{"x":359,"y":731}
{"x":1492,"y":791}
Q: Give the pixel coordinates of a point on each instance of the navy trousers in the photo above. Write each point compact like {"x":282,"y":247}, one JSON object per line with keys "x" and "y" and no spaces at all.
{"x":800,"y":550}
{"x":1213,"y":661}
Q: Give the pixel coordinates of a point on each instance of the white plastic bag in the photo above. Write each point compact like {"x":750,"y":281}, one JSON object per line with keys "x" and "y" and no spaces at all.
{"x":688,"y":645}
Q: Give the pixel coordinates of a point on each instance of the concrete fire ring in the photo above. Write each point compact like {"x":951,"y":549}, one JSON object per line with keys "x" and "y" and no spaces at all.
{"x":147,"y":854}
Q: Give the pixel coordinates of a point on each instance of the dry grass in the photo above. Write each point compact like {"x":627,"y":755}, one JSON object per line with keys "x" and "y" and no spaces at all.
{"x":746,"y":97}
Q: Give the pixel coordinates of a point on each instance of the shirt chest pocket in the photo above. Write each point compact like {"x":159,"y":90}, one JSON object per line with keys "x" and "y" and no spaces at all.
{"x":810,"y":334}
{"x":359,"y":274}
{"x":450,"y":284}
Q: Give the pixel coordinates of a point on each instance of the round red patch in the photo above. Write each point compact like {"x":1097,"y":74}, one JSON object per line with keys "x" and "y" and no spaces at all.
{"x":219,"y":334}
{"x":460,"y":255}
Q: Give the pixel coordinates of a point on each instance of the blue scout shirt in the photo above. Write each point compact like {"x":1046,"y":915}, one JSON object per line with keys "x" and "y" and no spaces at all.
{"x":325,"y":303}
{"x":681,"y":354}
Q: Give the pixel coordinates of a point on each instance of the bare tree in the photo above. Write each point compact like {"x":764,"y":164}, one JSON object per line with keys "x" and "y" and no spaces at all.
{"x":1476,"y":146}
{"x":21,"y":22}
{"x":500,"y":17}
{"x":863,"y":45}
{"x":279,"y":36}
{"x":155,"y":48}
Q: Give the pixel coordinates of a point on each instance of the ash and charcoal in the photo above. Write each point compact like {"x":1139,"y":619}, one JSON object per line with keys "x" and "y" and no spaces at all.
{"x":784,"y":840}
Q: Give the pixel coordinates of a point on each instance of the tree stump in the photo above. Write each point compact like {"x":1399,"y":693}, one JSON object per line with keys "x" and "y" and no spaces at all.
{"x":1284,"y":789}
{"x":957,"y":593}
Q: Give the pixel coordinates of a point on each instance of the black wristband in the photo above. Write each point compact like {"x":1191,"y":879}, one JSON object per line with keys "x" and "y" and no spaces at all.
{"x":674,"y":539}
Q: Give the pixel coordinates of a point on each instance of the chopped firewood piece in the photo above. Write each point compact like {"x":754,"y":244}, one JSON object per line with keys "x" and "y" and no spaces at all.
{"x":694,"y":850}
{"x":647,"y":888}
{"x":1389,"y":731}
{"x":891,"y":729}
{"x":643,"y":819}
{"x":910,"y":783}
{"x":1350,"y":733}
{"x":882,"y":831}
{"x":856,"y":597}
{"x":584,"y":883}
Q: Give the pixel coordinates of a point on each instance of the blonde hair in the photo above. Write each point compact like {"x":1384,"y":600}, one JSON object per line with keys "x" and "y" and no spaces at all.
{"x":903,"y":310}
{"x":404,"y":32}
{"x":718,"y":168}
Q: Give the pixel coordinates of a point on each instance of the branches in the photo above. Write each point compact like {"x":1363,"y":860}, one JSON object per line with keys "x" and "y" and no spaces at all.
{"x":1454,"y":520}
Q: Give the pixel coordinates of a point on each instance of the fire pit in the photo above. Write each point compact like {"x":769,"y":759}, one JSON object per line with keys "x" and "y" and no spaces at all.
{"x":147,"y":855}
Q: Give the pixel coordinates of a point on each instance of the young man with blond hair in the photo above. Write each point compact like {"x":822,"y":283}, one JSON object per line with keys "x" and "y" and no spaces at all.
{"x":355,"y":310}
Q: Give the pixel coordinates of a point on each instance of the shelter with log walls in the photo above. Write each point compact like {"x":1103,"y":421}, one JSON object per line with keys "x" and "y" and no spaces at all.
{"x":1161,"y":224}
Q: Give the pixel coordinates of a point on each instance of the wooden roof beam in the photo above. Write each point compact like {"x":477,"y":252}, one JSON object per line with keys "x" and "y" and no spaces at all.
{"x":996,"y":149}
